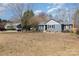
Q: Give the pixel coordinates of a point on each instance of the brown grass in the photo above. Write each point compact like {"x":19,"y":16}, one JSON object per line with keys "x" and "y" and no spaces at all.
{"x":38,"y":44}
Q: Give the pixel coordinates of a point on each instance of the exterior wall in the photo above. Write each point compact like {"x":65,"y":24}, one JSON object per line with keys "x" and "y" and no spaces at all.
{"x":41,"y":28}
{"x":9,"y":26}
{"x":66,"y":27}
{"x":56,"y":28}
{"x":69,"y":28}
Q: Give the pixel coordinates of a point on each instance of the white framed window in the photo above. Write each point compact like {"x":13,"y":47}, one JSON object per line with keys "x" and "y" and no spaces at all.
{"x":53,"y":26}
{"x":49,"y":26}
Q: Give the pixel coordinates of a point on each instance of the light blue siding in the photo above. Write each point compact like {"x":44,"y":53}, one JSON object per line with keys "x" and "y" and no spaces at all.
{"x":52,"y":26}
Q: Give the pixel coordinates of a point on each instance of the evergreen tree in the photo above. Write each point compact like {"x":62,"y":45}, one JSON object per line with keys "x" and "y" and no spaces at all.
{"x":25,"y":19}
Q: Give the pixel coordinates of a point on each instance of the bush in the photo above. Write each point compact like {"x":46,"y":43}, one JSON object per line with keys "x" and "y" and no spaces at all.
{"x":66,"y":31}
{"x":77,"y":32}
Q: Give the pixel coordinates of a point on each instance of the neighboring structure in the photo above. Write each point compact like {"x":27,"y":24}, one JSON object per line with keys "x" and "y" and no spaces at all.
{"x":9,"y":26}
{"x":13,"y":26}
{"x":66,"y":27}
{"x":54,"y":26}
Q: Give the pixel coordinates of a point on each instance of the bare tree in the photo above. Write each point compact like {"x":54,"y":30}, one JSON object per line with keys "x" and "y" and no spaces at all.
{"x":76,"y":21}
{"x":42,"y":17}
{"x":18,"y":10}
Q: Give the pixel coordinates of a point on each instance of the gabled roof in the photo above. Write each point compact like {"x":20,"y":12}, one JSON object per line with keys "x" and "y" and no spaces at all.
{"x":43,"y":23}
{"x":58,"y":21}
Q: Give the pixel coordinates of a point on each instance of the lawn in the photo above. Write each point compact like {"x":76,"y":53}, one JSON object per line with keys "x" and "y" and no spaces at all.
{"x":18,"y":43}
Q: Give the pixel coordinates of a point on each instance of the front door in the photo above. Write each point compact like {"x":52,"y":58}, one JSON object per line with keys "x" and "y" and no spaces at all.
{"x":62,"y":27}
{"x":45,"y":27}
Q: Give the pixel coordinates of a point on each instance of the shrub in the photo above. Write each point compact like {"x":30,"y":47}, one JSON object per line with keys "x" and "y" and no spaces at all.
{"x":66,"y":31}
{"x":77,"y":32}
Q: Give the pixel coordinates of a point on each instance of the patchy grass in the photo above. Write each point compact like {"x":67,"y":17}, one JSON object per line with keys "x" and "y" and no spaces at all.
{"x":18,"y":43}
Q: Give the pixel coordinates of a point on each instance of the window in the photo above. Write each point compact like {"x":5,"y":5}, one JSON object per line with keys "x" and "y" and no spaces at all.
{"x":49,"y":26}
{"x":53,"y":26}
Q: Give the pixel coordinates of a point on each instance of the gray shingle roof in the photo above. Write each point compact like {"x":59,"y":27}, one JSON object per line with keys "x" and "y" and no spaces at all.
{"x":59,"y":21}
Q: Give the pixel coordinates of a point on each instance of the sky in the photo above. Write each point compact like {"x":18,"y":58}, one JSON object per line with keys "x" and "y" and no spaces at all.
{"x":55,"y":9}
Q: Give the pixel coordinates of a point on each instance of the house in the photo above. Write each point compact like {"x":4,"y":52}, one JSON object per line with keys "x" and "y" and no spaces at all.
{"x":54,"y":26}
{"x":9,"y":26}
{"x":50,"y":26}
{"x":13,"y":26}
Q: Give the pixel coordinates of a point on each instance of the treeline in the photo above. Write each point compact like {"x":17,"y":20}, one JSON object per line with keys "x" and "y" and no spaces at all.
{"x":2,"y":20}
